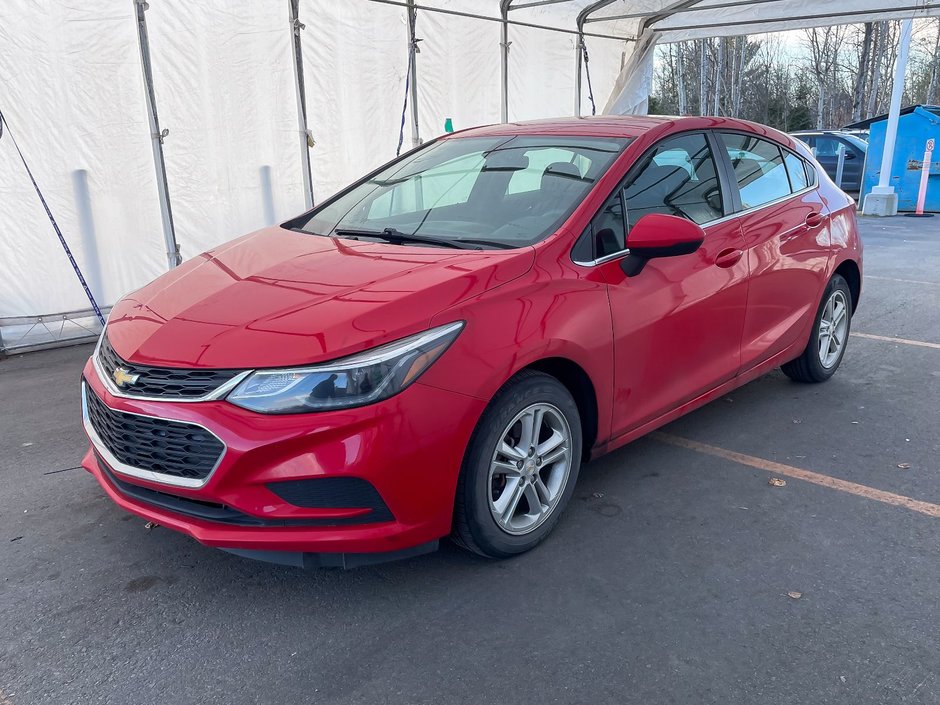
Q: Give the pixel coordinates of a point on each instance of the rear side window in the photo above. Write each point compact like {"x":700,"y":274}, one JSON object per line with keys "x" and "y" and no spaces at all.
{"x":826,"y":147}
{"x":758,"y":169}
{"x":796,"y":170}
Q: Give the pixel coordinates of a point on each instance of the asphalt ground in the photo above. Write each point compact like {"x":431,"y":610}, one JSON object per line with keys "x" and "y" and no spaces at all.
{"x":678,"y":575}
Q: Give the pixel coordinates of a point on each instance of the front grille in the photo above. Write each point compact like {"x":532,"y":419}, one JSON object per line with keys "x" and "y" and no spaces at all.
{"x":162,"y":446}
{"x":170,"y":382}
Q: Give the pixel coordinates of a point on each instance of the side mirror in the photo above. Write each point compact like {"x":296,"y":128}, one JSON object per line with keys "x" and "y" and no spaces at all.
{"x":658,"y":235}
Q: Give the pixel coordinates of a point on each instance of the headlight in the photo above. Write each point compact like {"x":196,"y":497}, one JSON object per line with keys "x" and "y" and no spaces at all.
{"x":352,"y":381}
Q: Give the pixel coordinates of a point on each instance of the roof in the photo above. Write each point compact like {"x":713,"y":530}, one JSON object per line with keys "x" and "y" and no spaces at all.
{"x":593,"y":126}
{"x":935,"y":109}
{"x":621,"y":126}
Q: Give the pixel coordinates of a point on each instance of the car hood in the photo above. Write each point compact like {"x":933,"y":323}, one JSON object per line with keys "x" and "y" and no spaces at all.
{"x":278,"y":298}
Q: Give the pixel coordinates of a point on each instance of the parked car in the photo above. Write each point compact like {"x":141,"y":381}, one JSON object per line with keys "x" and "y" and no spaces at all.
{"x":436,"y":349}
{"x":863,"y":135}
{"x":825,"y":145}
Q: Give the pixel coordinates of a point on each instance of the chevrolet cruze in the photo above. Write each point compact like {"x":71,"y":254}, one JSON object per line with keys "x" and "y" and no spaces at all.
{"x":436,"y":350}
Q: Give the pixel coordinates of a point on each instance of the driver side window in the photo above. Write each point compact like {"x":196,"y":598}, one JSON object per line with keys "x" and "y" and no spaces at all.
{"x":678,"y":177}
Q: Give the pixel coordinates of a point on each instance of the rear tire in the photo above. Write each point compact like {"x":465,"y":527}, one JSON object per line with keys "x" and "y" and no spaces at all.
{"x":520,"y":468}
{"x":830,"y":336}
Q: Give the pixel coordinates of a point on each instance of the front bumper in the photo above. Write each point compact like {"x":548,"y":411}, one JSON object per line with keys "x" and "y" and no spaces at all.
{"x":408,"y":449}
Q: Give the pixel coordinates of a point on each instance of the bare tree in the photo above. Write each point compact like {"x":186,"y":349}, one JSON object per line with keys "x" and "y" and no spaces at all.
{"x":766,"y":79}
{"x":737,"y":74}
{"x":858,"y":94}
{"x":703,"y":74}
{"x":719,"y":67}
{"x":932,"y":85}
{"x":877,"y":60}
{"x":680,"y":79}
{"x":824,"y":45}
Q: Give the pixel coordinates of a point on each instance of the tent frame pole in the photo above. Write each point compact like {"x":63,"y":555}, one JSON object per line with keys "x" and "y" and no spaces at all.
{"x":577,"y":74}
{"x":894,"y":111}
{"x":413,"y":78}
{"x":504,"y":61}
{"x":173,"y":257}
{"x":882,"y":199}
{"x":296,"y":26}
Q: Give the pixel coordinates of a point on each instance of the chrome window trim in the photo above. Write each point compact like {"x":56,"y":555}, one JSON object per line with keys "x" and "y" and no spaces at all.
{"x":140,"y":473}
{"x":217,"y":393}
{"x":710,"y":223}
{"x":606,"y":258}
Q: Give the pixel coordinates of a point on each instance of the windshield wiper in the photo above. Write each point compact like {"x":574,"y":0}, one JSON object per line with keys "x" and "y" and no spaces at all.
{"x":397,"y":237}
{"x":489,"y":243}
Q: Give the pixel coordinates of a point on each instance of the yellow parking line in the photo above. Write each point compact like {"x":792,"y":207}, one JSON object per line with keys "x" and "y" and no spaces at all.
{"x":903,"y":341}
{"x":914,"y":505}
{"x":904,"y":281}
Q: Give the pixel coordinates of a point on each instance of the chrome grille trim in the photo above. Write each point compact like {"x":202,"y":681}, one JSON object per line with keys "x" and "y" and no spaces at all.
{"x":217,"y":393}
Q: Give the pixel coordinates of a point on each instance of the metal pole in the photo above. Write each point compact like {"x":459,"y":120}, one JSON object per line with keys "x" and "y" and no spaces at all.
{"x":577,"y":75}
{"x":840,"y":164}
{"x":156,"y":137}
{"x":413,"y":79}
{"x":305,"y":141}
{"x":883,"y":200}
{"x":894,"y":111}
{"x":504,"y":62}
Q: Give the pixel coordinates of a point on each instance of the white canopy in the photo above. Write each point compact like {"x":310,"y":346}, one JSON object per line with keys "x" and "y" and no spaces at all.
{"x":224,"y":81}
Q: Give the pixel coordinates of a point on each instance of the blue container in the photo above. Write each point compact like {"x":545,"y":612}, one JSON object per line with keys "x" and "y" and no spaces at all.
{"x":917,"y":124}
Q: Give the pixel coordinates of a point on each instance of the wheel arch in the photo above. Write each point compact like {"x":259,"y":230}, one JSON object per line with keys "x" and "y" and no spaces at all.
{"x":577,"y":381}
{"x":849,"y":270}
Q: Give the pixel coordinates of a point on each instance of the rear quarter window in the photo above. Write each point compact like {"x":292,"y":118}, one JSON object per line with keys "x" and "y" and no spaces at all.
{"x":796,"y":170}
{"x":758,"y":169}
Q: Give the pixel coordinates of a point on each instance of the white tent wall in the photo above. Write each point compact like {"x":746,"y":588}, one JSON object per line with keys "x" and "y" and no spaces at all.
{"x":606,"y":58}
{"x":355,"y":61}
{"x":458,"y":71}
{"x":224,"y":85}
{"x":541,"y":73}
{"x":71,"y":87}
{"x":71,"y":90}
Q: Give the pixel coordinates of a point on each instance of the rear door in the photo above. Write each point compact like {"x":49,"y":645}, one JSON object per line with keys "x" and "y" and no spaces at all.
{"x":786,"y":234}
{"x":826,"y":148}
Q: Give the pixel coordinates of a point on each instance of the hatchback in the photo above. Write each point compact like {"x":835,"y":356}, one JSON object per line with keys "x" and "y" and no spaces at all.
{"x":438,"y":348}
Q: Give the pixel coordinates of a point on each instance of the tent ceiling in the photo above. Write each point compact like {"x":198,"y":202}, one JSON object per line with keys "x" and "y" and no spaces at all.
{"x":674,"y":21}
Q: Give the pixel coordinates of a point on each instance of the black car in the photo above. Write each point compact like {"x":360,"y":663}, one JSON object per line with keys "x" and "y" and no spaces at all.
{"x":825,"y":145}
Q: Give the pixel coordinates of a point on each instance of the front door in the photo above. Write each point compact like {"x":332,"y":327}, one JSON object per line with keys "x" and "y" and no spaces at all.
{"x":678,"y":323}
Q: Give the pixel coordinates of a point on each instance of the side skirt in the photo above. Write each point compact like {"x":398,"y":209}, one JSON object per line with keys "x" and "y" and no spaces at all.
{"x":750,"y":375}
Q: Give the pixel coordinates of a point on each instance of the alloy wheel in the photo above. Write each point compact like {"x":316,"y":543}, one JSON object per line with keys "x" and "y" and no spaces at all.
{"x":833,"y":329}
{"x":529,"y":468}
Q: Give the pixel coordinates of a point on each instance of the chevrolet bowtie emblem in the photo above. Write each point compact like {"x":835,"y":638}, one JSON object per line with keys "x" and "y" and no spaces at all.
{"x":123,"y":377}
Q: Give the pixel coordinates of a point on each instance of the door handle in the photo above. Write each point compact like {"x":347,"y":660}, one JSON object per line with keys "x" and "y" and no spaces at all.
{"x":728,"y":258}
{"x":814,"y":220}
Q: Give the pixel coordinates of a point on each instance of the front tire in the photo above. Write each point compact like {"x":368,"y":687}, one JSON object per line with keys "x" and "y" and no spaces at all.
{"x":520,"y":468}
{"x":823,"y":353}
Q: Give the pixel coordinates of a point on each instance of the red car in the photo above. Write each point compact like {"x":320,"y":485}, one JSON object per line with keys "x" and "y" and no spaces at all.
{"x":435,"y":350}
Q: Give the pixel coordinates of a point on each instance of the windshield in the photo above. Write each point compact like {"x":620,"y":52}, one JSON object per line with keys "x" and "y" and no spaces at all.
{"x":855,"y":140}
{"x":507,"y":191}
